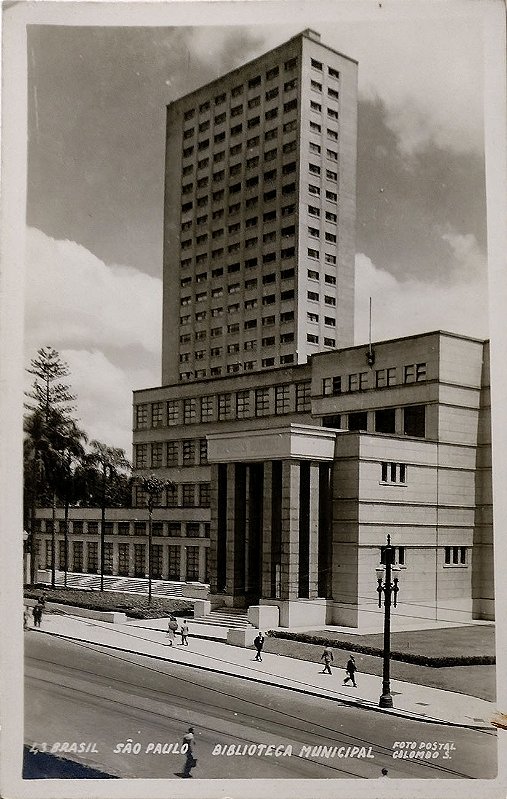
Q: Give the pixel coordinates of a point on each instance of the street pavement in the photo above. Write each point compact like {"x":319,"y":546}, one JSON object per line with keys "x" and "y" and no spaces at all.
{"x":208,"y":650}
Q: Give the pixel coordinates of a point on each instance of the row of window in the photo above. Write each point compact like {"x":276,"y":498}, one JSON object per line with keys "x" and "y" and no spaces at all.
{"x":235,"y":227}
{"x":210,"y":408}
{"x":412,"y":422}
{"x":249,"y":284}
{"x":239,"y":109}
{"x":312,"y":338}
{"x":179,"y":495}
{"x":238,"y":90}
{"x":251,"y":344}
{"x":158,"y":454}
{"x":84,"y":557}
{"x":360,"y":381}
{"x":237,"y":129}
{"x":236,"y":149}
{"x":237,"y":367}
{"x":158,"y":528}
{"x":249,"y":202}
{"x":233,"y":327}
{"x":453,"y":556}
{"x":332,"y":113}
{"x":248,"y":182}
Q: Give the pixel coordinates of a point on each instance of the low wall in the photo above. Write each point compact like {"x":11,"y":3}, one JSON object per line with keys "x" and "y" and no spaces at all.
{"x":114,"y":617}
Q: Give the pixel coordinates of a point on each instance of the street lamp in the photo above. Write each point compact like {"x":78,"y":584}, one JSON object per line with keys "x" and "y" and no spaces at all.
{"x":388,"y":588}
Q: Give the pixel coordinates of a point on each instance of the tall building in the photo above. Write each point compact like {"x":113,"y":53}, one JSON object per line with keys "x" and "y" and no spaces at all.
{"x":259,"y":236}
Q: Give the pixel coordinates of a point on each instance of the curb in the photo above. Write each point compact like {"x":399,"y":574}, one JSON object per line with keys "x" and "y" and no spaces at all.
{"x":363,"y":704}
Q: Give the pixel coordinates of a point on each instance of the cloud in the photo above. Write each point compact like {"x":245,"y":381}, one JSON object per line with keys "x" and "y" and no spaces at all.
{"x":404,"y":308}
{"x":427,"y":71}
{"x":106,"y":323}
{"x":72,"y":297}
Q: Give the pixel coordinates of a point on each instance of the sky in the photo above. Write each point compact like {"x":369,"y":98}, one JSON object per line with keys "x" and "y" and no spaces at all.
{"x":96,"y":112}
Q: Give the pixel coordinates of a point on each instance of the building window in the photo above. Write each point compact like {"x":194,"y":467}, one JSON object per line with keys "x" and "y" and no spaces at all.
{"x":312,"y":339}
{"x":139,"y":560}
{"x":173,"y":562}
{"x":385,"y":420}
{"x":242,"y":404}
{"x":123,"y":560}
{"x":358,"y":421}
{"x":141,"y":417}
{"x":203,"y":451}
{"x":261,"y":401}
{"x":172,"y":453}
{"x":204,"y":495}
{"x":224,"y":406}
{"x":156,"y":455}
{"x":188,"y":452}
{"x":123,"y":528}
{"x":157,"y":414}
{"x":189,"y":410}
{"x":456,"y":556}
{"x":93,"y":557}
{"x":77,"y":556}
{"x":393,"y":472}
{"x":192,"y":563}
{"x":172,"y":496}
{"x":303,"y":396}
{"x":156,"y":561}
{"x":282,"y":399}
{"x":206,"y":408}
{"x":141,"y":456}
{"x":397,"y":555}
{"x":188,"y":495}
{"x":108,"y":558}
{"x":385,"y":377}
{"x":414,"y":421}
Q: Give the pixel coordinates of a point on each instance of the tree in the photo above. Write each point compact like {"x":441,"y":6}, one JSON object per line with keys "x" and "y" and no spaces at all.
{"x":47,"y":423}
{"x":110,"y":462}
{"x":152,"y":487}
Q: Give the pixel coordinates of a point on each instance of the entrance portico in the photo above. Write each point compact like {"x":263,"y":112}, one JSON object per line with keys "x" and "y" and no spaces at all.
{"x":270,"y":538}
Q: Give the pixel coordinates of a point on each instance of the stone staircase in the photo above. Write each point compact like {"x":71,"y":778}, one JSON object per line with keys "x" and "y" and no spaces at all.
{"x":131,"y":585}
{"x":232,"y":618}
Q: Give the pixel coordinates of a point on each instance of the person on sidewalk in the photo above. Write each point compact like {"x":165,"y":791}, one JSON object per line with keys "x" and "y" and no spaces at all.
{"x":37,"y":615}
{"x":327,"y":658}
{"x":171,"y":630}
{"x":184,"y":634}
{"x":351,"y":669}
{"x":190,"y":760}
{"x":258,"y":644}
{"x":26,"y":619}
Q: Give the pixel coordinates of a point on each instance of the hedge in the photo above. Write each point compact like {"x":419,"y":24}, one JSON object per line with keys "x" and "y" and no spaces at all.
{"x":405,"y":657}
{"x":133,"y":605}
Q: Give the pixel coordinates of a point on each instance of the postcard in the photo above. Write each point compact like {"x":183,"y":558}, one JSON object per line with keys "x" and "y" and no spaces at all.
{"x":253,"y":385}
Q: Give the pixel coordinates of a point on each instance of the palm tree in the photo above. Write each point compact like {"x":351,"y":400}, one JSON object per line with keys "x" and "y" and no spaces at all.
{"x":109,"y":461}
{"x":152,"y":487}
{"x":72,"y":453}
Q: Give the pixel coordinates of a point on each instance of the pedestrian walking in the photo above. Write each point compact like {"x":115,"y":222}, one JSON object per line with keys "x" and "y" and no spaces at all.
{"x":258,"y":644}
{"x":172,"y":628}
{"x":37,"y":615}
{"x":327,"y":657}
{"x":190,"y":759}
{"x":42,"y":600}
{"x":26,"y":619}
{"x":351,"y":669}
{"x":184,"y":634}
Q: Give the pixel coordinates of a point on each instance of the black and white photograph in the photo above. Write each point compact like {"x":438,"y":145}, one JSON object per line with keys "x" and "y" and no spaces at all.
{"x":252,"y":382}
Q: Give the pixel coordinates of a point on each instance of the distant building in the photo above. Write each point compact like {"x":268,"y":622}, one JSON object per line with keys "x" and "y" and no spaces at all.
{"x":293,"y":453}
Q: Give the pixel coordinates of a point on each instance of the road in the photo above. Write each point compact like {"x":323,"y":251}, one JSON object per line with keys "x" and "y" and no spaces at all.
{"x":82,"y":693}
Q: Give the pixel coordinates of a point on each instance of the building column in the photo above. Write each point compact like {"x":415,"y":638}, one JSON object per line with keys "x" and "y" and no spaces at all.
{"x":165,"y":561}
{"x":183,"y":564}
{"x":289,"y":549}
{"x":267,"y":517}
{"x":235,"y":527}
{"x":202,"y":564}
{"x":115,"y":557}
{"x":218,"y":531}
{"x":313,"y":532}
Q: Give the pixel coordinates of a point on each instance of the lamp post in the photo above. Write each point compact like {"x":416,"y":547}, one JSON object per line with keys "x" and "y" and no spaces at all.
{"x":388,"y":588}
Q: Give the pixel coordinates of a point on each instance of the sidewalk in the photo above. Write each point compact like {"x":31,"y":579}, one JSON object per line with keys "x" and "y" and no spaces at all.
{"x":210,"y":652}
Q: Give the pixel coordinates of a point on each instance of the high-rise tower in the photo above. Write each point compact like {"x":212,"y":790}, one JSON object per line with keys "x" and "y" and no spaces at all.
{"x":259,"y":234}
